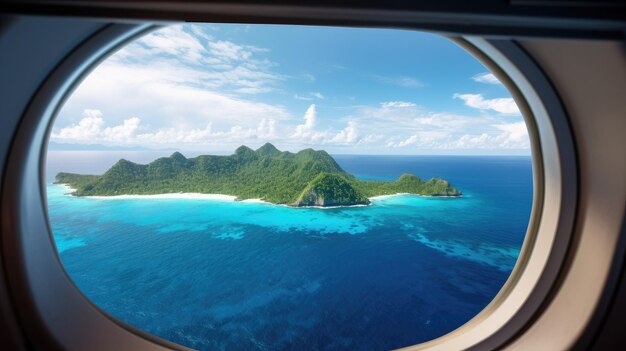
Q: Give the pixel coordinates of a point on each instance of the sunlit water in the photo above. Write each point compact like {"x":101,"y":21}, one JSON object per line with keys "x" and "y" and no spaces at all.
{"x":219,"y":275}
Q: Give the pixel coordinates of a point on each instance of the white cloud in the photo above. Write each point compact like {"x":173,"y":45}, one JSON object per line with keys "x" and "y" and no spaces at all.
{"x":123,"y":132}
{"x":400,"y":125}
{"x":422,"y":139}
{"x":200,"y":32}
{"x":348,"y":135}
{"x":91,"y":130}
{"x":370,"y":139}
{"x":433,"y":132}
{"x":501,"y":105}
{"x":213,"y":63}
{"x":510,"y":136}
{"x":173,"y":41}
{"x":306,"y":129}
{"x":229,"y":51}
{"x":503,"y":136}
{"x":486,"y":77}
{"x":398,"y":117}
{"x":307,"y":134}
{"x":408,"y":141}
{"x":514,"y":135}
{"x":176,"y":137}
{"x":317,"y":95}
{"x":309,"y":117}
{"x":267,"y":129}
{"x":87,"y":129}
{"x":443,"y":120}
{"x":399,"y":104}
{"x":165,"y":79}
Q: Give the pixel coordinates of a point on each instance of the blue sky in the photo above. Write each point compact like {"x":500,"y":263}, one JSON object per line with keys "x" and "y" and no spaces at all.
{"x":210,"y":87}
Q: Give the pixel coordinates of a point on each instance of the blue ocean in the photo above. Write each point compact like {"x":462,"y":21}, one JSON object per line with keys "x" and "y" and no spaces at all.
{"x":224,"y":275}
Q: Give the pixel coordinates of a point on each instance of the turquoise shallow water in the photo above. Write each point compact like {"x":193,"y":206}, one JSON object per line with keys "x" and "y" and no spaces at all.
{"x":214,"y":274}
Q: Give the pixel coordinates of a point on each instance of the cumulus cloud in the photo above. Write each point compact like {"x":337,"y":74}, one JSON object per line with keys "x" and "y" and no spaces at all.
{"x":431,"y":132}
{"x":123,"y":132}
{"x":399,"y":104}
{"x":87,"y":129}
{"x":176,"y":137}
{"x":408,"y":141}
{"x":514,"y":135}
{"x":406,"y":126}
{"x":234,"y":136}
{"x":443,"y":120}
{"x":504,"y":136}
{"x":398,"y":116}
{"x":307,"y":133}
{"x":348,"y":135}
{"x":92,"y":129}
{"x":306,"y":129}
{"x":422,"y":139}
{"x":501,"y":105}
{"x":179,"y":79}
{"x":267,"y":129}
{"x":486,"y":77}
{"x":168,"y":94}
{"x":485,"y":141}
{"x":371,"y":139}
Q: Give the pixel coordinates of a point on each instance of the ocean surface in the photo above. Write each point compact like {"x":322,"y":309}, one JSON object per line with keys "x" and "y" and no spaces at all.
{"x":223,"y":275}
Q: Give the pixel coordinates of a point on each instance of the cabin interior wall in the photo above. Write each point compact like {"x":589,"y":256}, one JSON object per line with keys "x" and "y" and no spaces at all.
{"x":589,"y":76}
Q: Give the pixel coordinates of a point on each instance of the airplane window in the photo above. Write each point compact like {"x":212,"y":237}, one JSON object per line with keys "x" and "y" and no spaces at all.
{"x":252,"y":187}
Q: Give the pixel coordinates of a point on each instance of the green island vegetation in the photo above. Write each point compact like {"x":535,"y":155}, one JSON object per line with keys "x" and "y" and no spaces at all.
{"x":306,"y":178}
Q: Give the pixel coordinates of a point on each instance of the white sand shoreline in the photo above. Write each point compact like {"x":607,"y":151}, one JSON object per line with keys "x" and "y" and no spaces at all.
{"x":67,"y":187}
{"x":222,"y":197}
{"x":187,"y":196}
{"x":382,"y":197}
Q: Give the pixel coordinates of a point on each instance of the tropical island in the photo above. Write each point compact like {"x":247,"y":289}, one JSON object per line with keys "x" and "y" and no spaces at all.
{"x":306,"y":178}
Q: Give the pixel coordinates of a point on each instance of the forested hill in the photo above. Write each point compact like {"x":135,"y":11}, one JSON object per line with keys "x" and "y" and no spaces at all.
{"x":306,"y":178}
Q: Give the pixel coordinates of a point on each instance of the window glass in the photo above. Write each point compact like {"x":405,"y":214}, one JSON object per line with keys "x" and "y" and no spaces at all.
{"x":289,"y":187}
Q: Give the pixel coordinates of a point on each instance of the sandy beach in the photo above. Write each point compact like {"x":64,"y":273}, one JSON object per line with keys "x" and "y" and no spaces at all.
{"x":188,"y":196}
{"x":380,"y":197}
{"x":218,"y":197}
